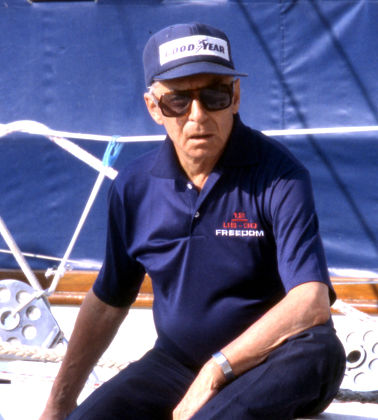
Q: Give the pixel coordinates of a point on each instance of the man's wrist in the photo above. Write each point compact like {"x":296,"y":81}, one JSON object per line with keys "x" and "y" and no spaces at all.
{"x":224,"y":364}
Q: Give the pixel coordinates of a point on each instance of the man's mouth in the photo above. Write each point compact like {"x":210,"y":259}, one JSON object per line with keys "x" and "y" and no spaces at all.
{"x":200,"y":136}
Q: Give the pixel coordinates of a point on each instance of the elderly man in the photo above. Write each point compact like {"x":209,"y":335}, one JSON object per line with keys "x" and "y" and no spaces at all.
{"x":222,"y":218}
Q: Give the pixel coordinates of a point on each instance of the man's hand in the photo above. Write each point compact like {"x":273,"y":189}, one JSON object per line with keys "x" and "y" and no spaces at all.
{"x":206,"y":385}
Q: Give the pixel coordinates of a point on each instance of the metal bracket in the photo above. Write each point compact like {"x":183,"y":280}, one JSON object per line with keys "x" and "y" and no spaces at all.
{"x":34,"y":324}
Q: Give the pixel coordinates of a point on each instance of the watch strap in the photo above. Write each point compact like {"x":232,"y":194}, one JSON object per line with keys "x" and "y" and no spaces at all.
{"x":222,"y":361}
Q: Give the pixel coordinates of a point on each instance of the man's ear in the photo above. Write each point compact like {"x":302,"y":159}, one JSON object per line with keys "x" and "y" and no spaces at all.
{"x":236,"y":98}
{"x":153,"y":109}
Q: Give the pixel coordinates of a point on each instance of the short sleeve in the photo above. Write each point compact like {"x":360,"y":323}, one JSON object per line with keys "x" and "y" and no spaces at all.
{"x":300,"y":253}
{"x":120,"y":276}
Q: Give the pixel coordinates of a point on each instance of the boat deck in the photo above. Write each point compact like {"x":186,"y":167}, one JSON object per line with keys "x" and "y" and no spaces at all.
{"x":25,"y":396}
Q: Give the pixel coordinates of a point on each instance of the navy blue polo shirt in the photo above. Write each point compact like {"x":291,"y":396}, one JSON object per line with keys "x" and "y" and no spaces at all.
{"x":218,"y":258}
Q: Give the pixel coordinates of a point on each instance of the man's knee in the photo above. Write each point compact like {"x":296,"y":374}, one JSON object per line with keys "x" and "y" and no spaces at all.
{"x":301,"y":377}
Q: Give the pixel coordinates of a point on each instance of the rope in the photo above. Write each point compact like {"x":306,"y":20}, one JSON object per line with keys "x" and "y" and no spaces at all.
{"x":348,"y":310}
{"x":76,"y":263}
{"x":8,"y":238}
{"x":33,"y":127}
{"x":40,"y":354}
{"x":347,"y":395}
{"x":36,"y":128}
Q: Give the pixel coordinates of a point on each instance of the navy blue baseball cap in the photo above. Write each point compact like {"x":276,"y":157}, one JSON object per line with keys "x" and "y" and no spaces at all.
{"x":185,"y":50}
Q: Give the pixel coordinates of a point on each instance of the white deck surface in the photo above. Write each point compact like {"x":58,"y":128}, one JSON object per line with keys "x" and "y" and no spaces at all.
{"x":24,"y":398}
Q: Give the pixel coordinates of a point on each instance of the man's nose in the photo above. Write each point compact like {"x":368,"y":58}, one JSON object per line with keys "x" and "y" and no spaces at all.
{"x":197,"y":111}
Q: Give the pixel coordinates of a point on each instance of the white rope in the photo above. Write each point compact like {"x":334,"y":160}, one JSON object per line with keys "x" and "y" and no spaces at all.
{"x":33,"y":127}
{"x":348,"y":310}
{"x":82,"y":264}
{"x":325,"y":130}
{"x":8,"y":238}
{"x":36,"y":128}
{"x":85,"y":156}
{"x":34,"y":353}
{"x":62,"y":266}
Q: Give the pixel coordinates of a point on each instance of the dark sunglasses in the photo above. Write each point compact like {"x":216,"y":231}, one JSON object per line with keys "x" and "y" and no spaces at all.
{"x":212,"y":98}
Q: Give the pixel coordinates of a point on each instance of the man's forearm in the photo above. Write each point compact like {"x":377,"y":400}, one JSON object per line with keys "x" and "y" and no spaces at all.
{"x":305,"y":306}
{"x":95,"y":327}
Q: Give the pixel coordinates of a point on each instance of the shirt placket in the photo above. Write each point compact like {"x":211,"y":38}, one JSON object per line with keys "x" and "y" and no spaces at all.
{"x":192,"y":197}
{"x":197,"y":199}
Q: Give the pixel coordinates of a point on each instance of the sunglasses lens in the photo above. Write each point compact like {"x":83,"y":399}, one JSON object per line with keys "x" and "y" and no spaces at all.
{"x":213,"y":98}
{"x":216,"y":99}
{"x":175,"y":105}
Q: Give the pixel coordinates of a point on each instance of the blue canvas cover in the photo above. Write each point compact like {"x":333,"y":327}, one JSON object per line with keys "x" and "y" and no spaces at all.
{"x":77,"y":66}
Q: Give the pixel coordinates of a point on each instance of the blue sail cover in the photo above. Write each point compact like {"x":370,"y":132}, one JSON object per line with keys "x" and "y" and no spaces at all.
{"x":76,"y":66}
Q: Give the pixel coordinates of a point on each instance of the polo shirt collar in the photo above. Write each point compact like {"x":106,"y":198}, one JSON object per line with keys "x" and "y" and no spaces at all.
{"x":241,"y":150}
{"x":166,"y":164}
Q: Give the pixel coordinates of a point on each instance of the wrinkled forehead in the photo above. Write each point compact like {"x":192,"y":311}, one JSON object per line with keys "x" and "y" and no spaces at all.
{"x":191,"y":82}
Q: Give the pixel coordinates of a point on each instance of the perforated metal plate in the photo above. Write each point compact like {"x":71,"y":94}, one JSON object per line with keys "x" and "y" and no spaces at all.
{"x":361,"y":346}
{"x":32,"y":325}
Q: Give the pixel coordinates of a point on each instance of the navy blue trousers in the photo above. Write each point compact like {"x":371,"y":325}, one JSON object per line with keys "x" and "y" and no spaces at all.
{"x":298,"y":379}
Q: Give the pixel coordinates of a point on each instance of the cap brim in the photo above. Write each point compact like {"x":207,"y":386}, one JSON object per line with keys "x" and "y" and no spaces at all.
{"x":192,"y":69}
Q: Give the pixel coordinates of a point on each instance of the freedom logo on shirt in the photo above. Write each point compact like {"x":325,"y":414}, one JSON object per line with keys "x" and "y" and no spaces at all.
{"x":239,"y":226}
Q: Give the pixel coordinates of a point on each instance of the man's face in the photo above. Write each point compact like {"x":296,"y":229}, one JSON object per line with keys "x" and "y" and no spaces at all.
{"x":199,"y":134}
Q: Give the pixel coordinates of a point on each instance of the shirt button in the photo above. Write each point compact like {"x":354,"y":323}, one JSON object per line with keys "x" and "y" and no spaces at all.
{"x":190,"y":186}
{"x":197,"y":215}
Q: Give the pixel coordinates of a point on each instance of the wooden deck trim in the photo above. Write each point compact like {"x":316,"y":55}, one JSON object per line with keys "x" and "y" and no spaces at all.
{"x":74,"y":285}
{"x":72,"y":288}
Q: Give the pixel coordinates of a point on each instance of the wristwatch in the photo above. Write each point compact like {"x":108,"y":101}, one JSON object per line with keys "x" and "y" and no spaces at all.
{"x":222,"y":361}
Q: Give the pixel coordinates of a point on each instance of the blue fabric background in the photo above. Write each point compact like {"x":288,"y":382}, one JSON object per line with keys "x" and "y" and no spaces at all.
{"x":76,"y":66}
